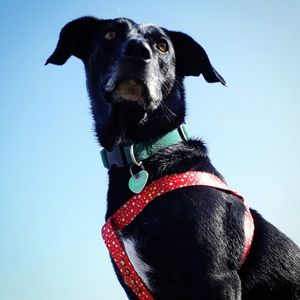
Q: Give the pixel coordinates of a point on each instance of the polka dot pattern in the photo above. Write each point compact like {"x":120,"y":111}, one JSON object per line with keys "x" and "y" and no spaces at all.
{"x":128,"y":212}
{"x":117,"y":251}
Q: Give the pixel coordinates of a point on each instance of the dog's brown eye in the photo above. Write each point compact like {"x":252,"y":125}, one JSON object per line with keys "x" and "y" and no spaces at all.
{"x":110,"y":35}
{"x":162,"y":46}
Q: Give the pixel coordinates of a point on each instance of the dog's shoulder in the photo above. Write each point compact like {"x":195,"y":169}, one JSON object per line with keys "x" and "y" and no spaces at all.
{"x":191,"y":155}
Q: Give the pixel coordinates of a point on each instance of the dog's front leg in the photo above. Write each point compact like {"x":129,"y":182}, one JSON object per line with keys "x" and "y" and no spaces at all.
{"x":215,"y":286}
{"x":219,"y":286}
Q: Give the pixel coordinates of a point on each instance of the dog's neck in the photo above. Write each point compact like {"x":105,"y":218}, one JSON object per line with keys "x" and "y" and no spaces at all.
{"x":128,"y":123}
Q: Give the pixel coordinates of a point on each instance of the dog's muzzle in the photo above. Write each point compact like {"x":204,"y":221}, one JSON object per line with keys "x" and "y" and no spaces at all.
{"x":125,"y":90}
{"x":126,"y":78}
{"x":129,"y":90}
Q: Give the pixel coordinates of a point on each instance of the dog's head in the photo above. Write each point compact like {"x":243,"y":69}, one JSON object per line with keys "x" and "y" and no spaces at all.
{"x":132,"y":65}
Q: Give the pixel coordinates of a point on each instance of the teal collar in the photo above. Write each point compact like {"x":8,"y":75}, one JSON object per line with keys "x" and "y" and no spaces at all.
{"x":122,"y":156}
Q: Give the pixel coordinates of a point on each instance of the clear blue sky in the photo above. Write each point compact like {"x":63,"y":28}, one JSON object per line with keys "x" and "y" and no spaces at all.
{"x":53,"y":187}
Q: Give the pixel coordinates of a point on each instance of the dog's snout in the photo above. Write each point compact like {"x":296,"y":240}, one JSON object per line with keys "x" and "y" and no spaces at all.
{"x":137,"y":50}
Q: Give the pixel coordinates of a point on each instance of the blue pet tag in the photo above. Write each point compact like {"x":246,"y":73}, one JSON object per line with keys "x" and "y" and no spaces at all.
{"x":138,"y":181}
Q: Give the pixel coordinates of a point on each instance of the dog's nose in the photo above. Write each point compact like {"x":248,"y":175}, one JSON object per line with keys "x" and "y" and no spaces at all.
{"x":137,"y":50}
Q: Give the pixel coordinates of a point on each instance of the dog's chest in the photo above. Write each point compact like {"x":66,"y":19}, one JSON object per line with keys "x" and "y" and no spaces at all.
{"x":143,"y":269}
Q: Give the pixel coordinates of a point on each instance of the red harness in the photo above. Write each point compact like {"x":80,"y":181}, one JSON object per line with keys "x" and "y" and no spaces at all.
{"x":127,"y":213}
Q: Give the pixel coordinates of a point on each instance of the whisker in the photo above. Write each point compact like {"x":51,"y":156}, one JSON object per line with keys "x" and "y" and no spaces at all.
{"x":166,"y":113}
{"x":179,"y":83}
{"x":168,"y":109}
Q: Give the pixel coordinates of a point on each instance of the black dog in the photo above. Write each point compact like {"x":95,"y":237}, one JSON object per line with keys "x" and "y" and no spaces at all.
{"x":188,"y":243}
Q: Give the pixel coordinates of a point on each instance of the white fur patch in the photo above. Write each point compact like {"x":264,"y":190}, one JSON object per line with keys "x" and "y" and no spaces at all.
{"x":139,"y":265}
{"x":130,"y":90}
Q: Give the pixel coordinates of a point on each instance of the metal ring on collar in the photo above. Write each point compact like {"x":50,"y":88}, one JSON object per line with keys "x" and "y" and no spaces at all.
{"x":182,"y":132}
{"x":132,"y":156}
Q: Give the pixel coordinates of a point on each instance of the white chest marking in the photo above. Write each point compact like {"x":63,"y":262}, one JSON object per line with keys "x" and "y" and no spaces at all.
{"x":139,"y":265}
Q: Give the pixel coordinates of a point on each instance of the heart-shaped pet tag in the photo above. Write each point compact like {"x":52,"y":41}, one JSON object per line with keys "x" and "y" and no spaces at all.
{"x":138,"y":181}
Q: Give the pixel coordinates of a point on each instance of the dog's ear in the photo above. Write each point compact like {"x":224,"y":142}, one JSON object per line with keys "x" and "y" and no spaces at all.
{"x":191,"y":58}
{"x":75,"y":39}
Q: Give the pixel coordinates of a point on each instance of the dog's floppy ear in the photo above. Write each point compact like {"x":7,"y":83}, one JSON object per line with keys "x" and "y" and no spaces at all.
{"x":191,"y":58}
{"x":75,"y":39}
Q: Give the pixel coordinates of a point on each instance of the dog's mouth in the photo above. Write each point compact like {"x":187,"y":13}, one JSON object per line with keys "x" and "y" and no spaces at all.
{"x":129,"y":90}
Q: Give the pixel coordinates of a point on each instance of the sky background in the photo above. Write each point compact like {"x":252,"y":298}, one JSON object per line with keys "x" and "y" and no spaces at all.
{"x":52,"y":184}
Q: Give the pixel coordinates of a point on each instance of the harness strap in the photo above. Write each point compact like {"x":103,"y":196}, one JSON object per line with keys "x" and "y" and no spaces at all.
{"x":130,"y":210}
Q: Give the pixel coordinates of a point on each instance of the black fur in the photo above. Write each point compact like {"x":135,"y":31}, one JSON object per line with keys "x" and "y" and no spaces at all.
{"x":192,"y":238}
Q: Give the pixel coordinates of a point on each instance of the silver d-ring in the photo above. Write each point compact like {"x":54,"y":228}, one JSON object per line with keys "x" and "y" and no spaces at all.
{"x":132,"y":156}
{"x":181,"y":129}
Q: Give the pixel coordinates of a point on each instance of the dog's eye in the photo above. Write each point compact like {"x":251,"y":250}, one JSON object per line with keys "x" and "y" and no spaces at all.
{"x":110,"y":35}
{"x":162,"y":46}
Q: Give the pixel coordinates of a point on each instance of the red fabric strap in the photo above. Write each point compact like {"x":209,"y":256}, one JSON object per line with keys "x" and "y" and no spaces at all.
{"x":127,"y":213}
